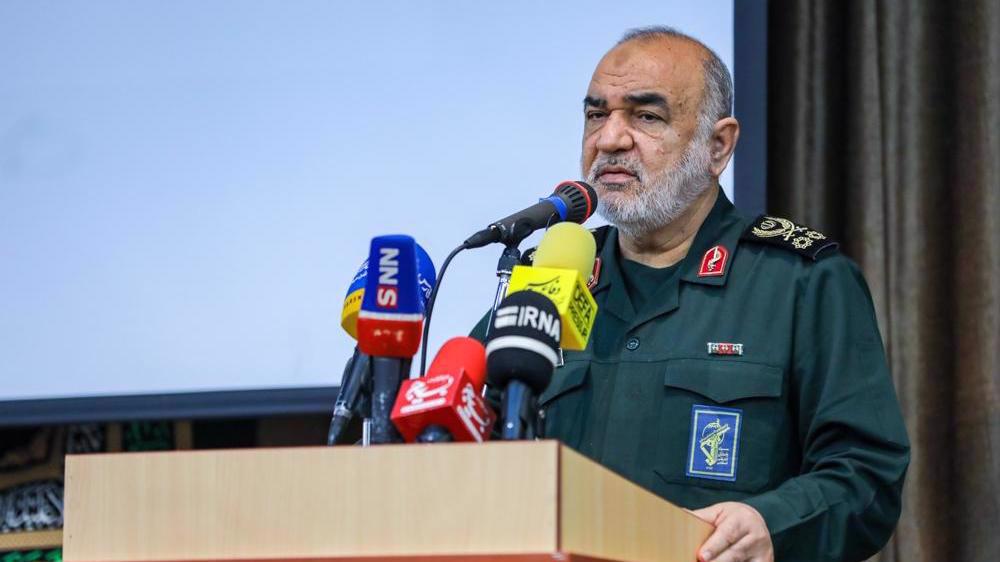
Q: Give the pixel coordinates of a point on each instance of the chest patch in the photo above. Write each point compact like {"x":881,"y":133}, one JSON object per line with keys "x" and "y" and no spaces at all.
{"x":715,"y":439}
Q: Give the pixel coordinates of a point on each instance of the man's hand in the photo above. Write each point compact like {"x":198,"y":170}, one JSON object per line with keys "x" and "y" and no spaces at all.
{"x":740,"y":534}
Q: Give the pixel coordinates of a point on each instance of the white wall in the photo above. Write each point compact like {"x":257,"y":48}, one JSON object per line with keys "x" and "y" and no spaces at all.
{"x":186,"y":188}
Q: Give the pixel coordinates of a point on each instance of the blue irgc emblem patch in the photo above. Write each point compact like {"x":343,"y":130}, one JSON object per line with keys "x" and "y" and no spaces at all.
{"x":715,"y":440}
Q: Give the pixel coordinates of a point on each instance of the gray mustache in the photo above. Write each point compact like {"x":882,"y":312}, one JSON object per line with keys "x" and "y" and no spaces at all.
{"x":601,"y":164}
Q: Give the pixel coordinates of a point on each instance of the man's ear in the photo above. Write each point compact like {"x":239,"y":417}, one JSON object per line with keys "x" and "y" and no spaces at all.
{"x":723,"y":142}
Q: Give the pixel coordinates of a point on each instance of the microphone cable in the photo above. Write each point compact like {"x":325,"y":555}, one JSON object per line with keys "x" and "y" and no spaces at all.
{"x":430,"y":306}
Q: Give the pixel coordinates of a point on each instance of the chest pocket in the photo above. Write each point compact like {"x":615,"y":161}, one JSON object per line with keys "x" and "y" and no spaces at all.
{"x":751,"y":409}
{"x":565,"y":403}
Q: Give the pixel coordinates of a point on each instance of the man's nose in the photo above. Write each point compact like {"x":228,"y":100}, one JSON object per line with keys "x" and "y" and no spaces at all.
{"x":615,"y":135}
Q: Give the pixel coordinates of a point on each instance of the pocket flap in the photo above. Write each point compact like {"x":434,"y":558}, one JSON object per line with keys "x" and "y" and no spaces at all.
{"x":565,"y":379}
{"x":724,"y":381}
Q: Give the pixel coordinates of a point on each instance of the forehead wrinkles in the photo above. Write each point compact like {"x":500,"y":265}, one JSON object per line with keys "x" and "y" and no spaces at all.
{"x":622,"y":82}
{"x":627,"y":73}
{"x":672,"y":67}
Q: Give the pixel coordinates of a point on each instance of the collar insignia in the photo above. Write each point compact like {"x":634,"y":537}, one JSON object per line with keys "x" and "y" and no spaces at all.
{"x":595,"y":275}
{"x":714,"y":261}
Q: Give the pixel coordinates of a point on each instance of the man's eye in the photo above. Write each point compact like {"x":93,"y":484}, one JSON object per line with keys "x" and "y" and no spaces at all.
{"x":592,"y":115}
{"x":649,"y":117}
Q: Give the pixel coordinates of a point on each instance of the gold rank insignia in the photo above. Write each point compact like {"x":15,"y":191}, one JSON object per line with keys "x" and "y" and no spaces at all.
{"x":786,"y":234}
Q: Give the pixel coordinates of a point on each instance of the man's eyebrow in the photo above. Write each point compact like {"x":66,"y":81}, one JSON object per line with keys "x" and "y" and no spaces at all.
{"x":649,"y":98}
{"x":643,"y":98}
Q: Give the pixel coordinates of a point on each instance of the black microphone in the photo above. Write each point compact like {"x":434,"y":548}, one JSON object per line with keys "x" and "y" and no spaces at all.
{"x":521,"y":354}
{"x":357,"y":376}
{"x":572,"y":201}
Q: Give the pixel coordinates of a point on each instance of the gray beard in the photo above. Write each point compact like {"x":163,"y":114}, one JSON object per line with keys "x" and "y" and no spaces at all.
{"x":654,"y":201}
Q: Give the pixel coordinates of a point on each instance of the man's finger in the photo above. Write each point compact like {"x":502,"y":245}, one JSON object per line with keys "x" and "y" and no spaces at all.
{"x":738,"y":552}
{"x":708,"y":514}
{"x":728,"y":532}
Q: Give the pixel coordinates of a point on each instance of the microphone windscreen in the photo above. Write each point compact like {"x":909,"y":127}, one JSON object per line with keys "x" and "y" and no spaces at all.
{"x":524,"y":341}
{"x":426,"y":276}
{"x":567,"y":245}
{"x":461,"y":354}
{"x":391,"y":318}
{"x":580,"y":199}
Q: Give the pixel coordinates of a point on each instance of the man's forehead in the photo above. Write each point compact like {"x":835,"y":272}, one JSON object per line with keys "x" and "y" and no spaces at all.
{"x":672,"y":66}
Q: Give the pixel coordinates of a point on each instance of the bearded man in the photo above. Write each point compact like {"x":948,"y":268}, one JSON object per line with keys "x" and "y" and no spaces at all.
{"x":735,"y":367}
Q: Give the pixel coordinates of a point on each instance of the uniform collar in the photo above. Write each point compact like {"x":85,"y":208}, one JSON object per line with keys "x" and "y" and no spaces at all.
{"x":722,"y":228}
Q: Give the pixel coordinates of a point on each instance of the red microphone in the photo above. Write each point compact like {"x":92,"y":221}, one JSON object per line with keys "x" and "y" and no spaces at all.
{"x":446,"y":404}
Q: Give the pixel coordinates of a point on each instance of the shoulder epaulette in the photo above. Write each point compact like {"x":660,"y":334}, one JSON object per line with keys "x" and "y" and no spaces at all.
{"x":600,"y":235}
{"x":790,"y":236}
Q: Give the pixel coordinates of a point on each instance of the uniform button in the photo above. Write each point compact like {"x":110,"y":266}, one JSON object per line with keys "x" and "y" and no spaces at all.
{"x":632,"y":344}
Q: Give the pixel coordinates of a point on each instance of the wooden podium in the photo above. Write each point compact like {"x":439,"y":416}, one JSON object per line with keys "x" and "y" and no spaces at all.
{"x":486,"y":502}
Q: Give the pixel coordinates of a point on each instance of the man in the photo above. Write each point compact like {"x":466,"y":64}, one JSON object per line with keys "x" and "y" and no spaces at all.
{"x":735,"y":367}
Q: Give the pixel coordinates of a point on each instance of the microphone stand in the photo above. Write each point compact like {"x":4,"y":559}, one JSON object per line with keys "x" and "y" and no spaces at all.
{"x":510,"y":257}
{"x":518,"y":413}
{"x":387,"y":376}
{"x":366,"y":423}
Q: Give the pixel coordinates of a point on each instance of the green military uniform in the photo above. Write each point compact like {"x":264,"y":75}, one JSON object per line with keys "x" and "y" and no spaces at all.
{"x":754,"y":372}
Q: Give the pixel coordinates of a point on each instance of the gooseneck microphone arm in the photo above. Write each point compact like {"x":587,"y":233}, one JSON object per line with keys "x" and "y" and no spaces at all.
{"x":513,"y":231}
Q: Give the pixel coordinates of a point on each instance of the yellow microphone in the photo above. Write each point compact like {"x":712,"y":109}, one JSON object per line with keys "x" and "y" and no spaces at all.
{"x":352,"y":302}
{"x":563,"y":263}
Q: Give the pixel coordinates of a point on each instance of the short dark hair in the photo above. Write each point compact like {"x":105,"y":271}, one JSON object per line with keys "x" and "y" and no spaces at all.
{"x":717,"y":102}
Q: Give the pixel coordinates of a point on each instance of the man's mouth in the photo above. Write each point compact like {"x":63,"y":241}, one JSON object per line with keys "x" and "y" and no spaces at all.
{"x":615,"y":174}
